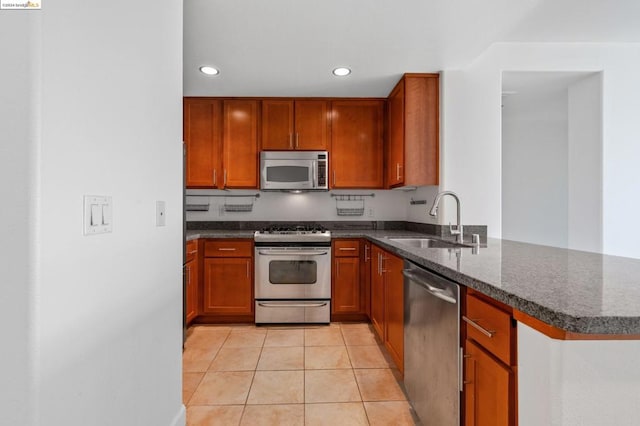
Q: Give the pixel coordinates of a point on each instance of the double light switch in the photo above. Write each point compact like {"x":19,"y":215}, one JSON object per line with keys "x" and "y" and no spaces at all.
{"x":97,"y":215}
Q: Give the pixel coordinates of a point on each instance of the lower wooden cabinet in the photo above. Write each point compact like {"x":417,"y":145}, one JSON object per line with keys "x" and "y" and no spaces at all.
{"x":348,"y":288}
{"x":192,"y":282}
{"x":394,"y":308}
{"x":387,"y":302}
{"x":377,"y":291}
{"x":488,"y":389}
{"x":490,"y":362}
{"x":228,"y":281}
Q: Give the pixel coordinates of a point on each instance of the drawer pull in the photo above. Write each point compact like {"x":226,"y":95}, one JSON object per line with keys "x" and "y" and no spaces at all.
{"x":193,"y":252}
{"x":226,"y":249}
{"x":347,"y":248}
{"x":481,"y":329}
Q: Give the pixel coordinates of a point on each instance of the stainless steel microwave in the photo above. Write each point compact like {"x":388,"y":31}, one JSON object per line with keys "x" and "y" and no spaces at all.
{"x":294,"y":170}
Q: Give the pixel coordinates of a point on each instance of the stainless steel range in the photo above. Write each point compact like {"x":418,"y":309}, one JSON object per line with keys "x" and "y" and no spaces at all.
{"x":293,"y":274}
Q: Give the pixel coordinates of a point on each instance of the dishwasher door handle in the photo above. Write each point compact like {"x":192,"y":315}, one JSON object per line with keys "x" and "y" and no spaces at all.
{"x":440,"y":293}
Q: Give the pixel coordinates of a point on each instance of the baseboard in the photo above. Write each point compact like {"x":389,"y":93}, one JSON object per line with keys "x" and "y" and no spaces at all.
{"x":181,"y":418}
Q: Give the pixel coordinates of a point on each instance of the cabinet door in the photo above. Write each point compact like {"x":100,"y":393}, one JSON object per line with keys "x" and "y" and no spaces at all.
{"x":421,"y":130}
{"x":395,"y":152}
{"x":312,"y":125}
{"x":394,"y":308}
{"x":191,"y":291}
{"x":346,"y":285}
{"x":365,"y":277}
{"x":489,"y":389}
{"x":228,"y":286}
{"x":240,"y":144}
{"x":277,"y":125}
{"x":356,"y":144}
{"x":377,"y":292}
{"x":202,"y":133}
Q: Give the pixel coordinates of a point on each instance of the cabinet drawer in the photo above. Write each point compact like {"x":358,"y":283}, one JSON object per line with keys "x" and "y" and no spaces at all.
{"x":490,"y":327}
{"x":346,"y":248}
{"x":192,"y":250}
{"x":228,"y":248}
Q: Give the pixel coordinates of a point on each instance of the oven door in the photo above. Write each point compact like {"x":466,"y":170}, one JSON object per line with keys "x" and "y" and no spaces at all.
{"x":288,"y":174}
{"x":286,"y":273}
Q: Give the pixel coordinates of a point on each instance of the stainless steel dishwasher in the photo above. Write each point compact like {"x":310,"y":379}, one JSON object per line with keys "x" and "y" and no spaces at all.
{"x":432,"y":346}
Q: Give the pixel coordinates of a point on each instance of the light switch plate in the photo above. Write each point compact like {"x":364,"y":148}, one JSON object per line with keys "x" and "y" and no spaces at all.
{"x":97,"y":214}
{"x":160,"y":213}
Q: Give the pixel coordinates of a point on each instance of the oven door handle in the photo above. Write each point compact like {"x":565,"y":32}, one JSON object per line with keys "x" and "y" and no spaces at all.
{"x":292,"y":305}
{"x":291,"y":253}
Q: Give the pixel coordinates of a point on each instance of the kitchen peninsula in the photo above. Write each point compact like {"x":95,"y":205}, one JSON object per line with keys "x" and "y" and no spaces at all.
{"x":577,"y":313}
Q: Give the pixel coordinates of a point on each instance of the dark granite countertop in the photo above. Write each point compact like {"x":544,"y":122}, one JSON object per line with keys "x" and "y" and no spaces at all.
{"x":573,"y":290}
{"x":218,"y":233}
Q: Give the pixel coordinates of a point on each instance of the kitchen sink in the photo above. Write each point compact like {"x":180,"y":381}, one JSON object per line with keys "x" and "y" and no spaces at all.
{"x":427,"y":243}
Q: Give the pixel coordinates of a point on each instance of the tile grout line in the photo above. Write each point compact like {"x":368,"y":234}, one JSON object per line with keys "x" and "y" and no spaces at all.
{"x":253,"y":377}
{"x":357,"y":383}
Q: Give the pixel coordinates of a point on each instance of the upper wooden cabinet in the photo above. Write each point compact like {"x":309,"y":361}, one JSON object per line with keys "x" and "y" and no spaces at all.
{"x":221,"y":138}
{"x":295,"y":124}
{"x":240,"y":144}
{"x":202,"y":136}
{"x":357,"y":130}
{"x":413,"y":129}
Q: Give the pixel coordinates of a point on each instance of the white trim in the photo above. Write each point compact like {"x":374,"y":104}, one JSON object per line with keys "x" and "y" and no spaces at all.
{"x":181,"y":418}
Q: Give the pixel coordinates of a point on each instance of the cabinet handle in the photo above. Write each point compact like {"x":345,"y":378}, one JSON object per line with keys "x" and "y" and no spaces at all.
{"x":227,"y":249}
{"x":398,"y":171}
{"x":382,"y":259}
{"x":291,"y":140}
{"x":224,"y":184}
{"x":248,"y":273}
{"x":297,"y":139}
{"x":334,"y":177}
{"x":337,"y":268}
{"x":366,"y":253}
{"x":347,"y":248}
{"x":215,"y":178}
{"x":481,"y":329}
{"x":192,"y":252}
{"x":379,"y":264}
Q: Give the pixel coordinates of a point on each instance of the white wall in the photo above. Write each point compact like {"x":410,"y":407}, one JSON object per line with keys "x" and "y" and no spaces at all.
{"x":577,"y":383}
{"x":18,"y":121}
{"x":472,"y":144}
{"x":106,"y":310}
{"x":534,"y":168}
{"x":585,"y":164}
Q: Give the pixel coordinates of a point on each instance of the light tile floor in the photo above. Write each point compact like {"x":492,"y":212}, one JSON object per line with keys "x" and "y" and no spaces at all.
{"x":317,"y":375}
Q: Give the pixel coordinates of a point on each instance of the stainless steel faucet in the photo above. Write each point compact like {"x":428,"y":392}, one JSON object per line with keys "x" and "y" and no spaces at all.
{"x":434,"y":212}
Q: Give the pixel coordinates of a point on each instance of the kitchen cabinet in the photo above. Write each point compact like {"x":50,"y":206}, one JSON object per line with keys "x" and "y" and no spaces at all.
{"x":191,"y":281}
{"x":289,"y":124}
{"x":357,"y":130}
{"x":228,"y":281}
{"x":202,"y":135}
{"x":387,"y":302}
{"x":413,"y":131}
{"x":221,"y":138}
{"x":240,"y":143}
{"x":348,"y":288}
{"x":489,"y":363}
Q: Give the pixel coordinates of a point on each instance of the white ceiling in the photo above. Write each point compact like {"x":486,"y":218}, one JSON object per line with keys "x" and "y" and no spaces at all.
{"x":289,"y":47}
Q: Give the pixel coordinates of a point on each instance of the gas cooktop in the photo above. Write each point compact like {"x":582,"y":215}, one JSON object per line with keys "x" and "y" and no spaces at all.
{"x":293,"y":233}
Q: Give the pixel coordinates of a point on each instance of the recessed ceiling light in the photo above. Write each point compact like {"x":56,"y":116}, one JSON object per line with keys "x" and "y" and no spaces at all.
{"x":341,"y":71}
{"x":209,"y":70}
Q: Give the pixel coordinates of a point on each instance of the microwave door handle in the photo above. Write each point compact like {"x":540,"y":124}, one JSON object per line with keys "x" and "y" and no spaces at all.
{"x":313,"y":174}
